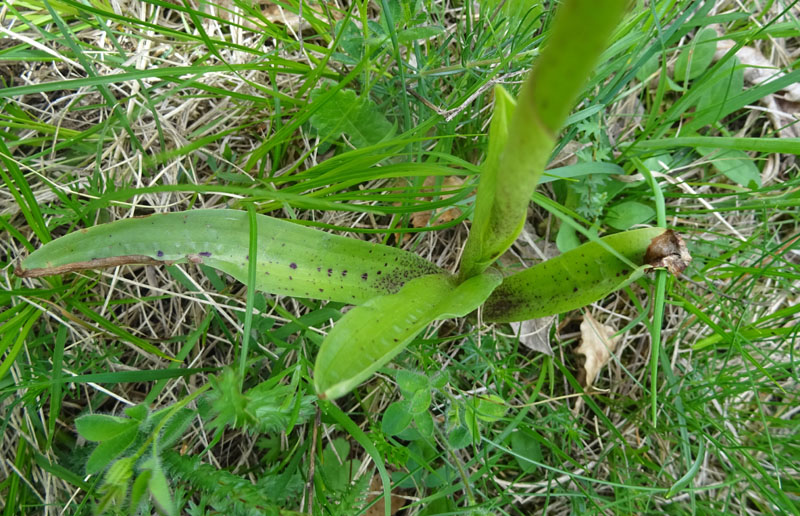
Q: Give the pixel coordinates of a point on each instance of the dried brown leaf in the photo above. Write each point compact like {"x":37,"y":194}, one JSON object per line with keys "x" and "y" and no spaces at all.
{"x":535,"y":333}
{"x":758,"y":69}
{"x":378,"y":508}
{"x":597,"y":345}
{"x":668,"y":250}
{"x":782,"y":110}
{"x":276,"y":14}
{"x":421,"y":219}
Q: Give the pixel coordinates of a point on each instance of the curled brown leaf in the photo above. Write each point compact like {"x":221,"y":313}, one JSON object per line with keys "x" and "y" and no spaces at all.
{"x":668,"y":250}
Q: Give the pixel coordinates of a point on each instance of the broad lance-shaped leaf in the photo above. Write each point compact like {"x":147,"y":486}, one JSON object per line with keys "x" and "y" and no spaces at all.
{"x":580,"y":33}
{"x":292,"y":260}
{"x":370,"y":335}
{"x":583,"y":275}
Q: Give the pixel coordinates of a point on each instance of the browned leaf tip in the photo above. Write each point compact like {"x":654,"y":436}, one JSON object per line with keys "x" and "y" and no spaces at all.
{"x":668,"y":250}
{"x":97,"y":263}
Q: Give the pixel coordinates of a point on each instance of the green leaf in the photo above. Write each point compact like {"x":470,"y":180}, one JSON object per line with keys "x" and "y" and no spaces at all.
{"x":370,"y":335}
{"x":159,"y":490}
{"x":109,"y":450}
{"x":396,"y":418}
{"x":292,"y":260}
{"x":418,"y":33}
{"x":424,"y":422}
{"x":726,"y":83}
{"x":138,"y":490}
{"x":736,"y":165}
{"x":695,"y":59}
{"x":459,"y":438}
{"x":176,"y":426}
{"x":345,"y":113}
{"x":491,"y":408}
{"x":649,"y":67}
{"x":334,"y":464}
{"x":571,"y":280}
{"x":115,"y":484}
{"x":137,"y":412}
{"x":101,"y":427}
{"x":526,"y":134}
{"x":410,"y":382}
{"x":120,"y":473}
{"x":471,"y":422}
{"x":773,"y":145}
{"x":567,"y":238}
{"x":267,"y":407}
{"x":525,"y":447}
{"x":627,"y":214}
{"x":420,"y":402}
{"x":580,"y":170}
{"x":489,"y":224}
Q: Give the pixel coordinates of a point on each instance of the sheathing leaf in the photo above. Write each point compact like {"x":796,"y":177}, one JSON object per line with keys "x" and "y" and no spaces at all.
{"x":580,"y":33}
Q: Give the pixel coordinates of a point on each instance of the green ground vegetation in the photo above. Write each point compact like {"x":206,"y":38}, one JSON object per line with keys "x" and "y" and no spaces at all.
{"x":177,"y":390}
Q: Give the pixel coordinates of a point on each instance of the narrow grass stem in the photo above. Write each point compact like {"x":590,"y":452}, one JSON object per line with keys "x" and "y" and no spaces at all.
{"x":251,"y":291}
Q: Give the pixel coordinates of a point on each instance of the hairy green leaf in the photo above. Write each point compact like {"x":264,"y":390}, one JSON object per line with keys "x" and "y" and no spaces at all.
{"x":159,"y":488}
{"x":571,"y":280}
{"x":292,"y":260}
{"x":109,"y":450}
{"x":370,"y":335}
{"x":528,"y":135}
{"x":101,"y":427}
{"x":139,"y":489}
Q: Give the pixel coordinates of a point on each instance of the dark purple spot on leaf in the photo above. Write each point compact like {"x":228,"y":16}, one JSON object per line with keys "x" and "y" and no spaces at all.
{"x":344,"y":273}
{"x":293,"y":265}
{"x":160,"y":253}
{"x":364,"y":276}
{"x":205,"y":253}
{"x":330,"y":271}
